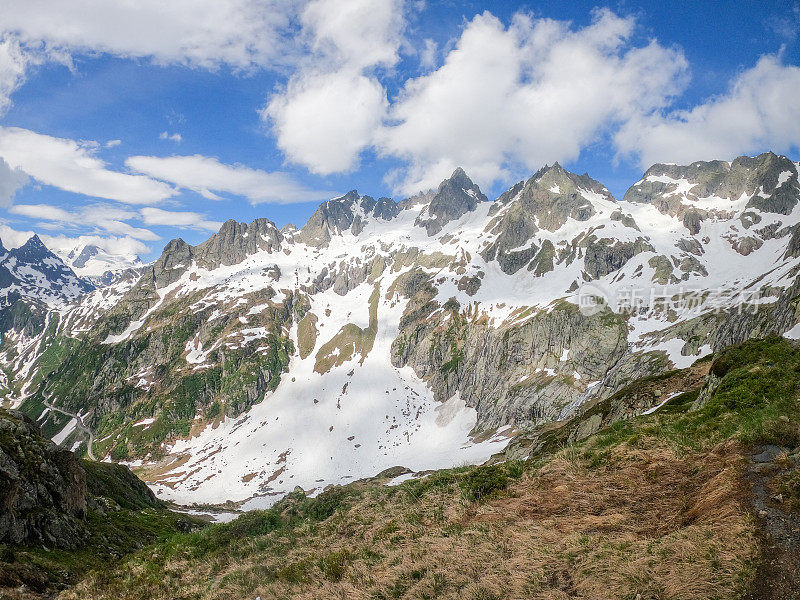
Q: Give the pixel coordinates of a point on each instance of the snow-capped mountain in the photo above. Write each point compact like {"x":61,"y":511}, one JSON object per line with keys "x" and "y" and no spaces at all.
{"x":97,"y":264}
{"x":35,"y":287}
{"x":32,"y":271}
{"x":423,"y":333}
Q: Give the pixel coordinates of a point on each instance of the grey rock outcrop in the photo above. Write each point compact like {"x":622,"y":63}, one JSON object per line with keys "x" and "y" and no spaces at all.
{"x":606,"y":256}
{"x":520,"y":373}
{"x":42,"y":487}
{"x":545,"y":201}
{"x":236,"y":241}
{"x":455,"y":197}
{"x":770,"y":180}
{"x":349,"y":212}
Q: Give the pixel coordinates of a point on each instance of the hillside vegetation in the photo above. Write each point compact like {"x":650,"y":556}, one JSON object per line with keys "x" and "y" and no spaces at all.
{"x":659,"y":506}
{"x":62,"y":517}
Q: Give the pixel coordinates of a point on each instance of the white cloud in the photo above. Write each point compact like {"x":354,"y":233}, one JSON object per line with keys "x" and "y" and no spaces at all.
{"x":332,"y":106}
{"x":427,"y":56}
{"x":191,"y":220}
{"x":10,"y":181}
{"x":13,"y":64}
{"x":102,"y":217}
{"x":62,"y":244}
{"x":205,"y":33}
{"x":207,"y":175}
{"x":74,"y":167}
{"x":760,"y":111}
{"x":323,"y":121}
{"x":175,"y":137}
{"x":11,"y":238}
{"x":46,"y":212}
{"x":535,"y":92}
{"x":113,"y":143}
{"x":116,"y":245}
{"x":357,"y":33}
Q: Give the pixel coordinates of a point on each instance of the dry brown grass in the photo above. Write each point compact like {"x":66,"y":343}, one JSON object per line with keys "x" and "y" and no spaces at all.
{"x":647,"y":525}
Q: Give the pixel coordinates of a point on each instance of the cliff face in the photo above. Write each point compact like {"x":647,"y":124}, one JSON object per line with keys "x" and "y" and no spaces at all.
{"x":46,"y":492}
{"x":42,"y":487}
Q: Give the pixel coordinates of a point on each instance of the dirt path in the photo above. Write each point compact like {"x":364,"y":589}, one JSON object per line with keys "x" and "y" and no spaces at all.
{"x":778,"y":576}
{"x":81,"y":426}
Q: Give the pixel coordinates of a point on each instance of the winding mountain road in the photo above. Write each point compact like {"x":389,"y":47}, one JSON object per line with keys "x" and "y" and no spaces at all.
{"x":80,"y":424}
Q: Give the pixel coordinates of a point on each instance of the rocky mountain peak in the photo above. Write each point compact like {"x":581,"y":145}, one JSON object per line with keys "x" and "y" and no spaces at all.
{"x":33,"y":249}
{"x":349,"y":212}
{"x":233,"y":243}
{"x":455,"y":197}
{"x":768,"y":180}
{"x":236,"y":241}
{"x":331,"y":218}
{"x":546,"y":201}
{"x":552,"y":195}
{"x":33,"y":271}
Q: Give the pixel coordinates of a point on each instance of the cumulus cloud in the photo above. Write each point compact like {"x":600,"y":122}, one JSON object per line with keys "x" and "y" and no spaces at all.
{"x":519,"y":96}
{"x":12,"y":238}
{"x":760,"y":110}
{"x":332,"y":106}
{"x":73,"y":166}
{"x":358,"y":33}
{"x":205,"y":33}
{"x":13,"y":64}
{"x":208,"y":176}
{"x":102,"y":217}
{"x":183,"y":219}
{"x":324,"y":120}
{"x":427,"y":56}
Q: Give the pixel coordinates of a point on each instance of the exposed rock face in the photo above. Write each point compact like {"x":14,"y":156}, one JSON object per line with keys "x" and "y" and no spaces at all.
{"x":515,"y":374}
{"x":348,"y":213}
{"x":455,"y":197}
{"x":174,"y":260}
{"x":604,"y":258}
{"x":42,"y":487}
{"x":630,"y":401}
{"x":236,"y":241}
{"x":770,"y":181}
{"x":544,"y":203}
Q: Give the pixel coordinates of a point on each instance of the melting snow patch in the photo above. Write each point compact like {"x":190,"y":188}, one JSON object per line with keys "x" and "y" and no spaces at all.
{"x":793,"y":333}
{"x":650,"y":411}
{"x":405,"y":477}
{"x":64,"y":433}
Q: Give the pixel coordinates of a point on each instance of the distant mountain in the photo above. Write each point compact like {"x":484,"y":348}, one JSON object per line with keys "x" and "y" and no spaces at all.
{"x":420,"y":333}
{"x":32,"y":271}
{"x":98,"y":265}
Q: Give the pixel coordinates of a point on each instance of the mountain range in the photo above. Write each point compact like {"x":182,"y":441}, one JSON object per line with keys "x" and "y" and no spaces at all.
{"x":423,"y":333}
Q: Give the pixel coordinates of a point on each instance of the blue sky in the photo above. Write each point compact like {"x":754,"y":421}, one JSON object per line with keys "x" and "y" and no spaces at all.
{"x":127,"y":129}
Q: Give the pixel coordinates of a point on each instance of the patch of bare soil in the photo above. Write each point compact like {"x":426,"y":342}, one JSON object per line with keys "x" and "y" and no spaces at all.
{"x":778,"y":574}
